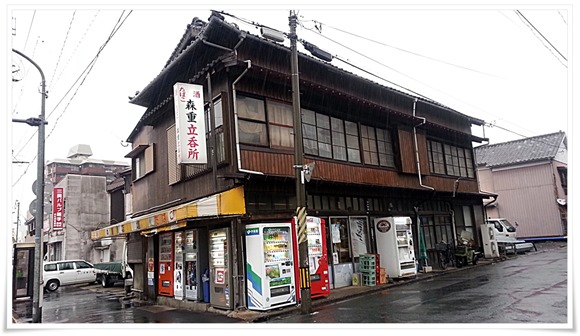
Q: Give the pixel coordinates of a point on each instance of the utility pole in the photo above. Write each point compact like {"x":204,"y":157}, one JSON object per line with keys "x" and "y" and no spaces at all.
{"x":306,"y":304}
{"x":17,"y":218}
{"x":39,"y":217}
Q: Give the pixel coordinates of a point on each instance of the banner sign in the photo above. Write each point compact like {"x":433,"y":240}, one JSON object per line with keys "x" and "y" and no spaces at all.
{"x":57,"y":208}
{"x":189,"y":123}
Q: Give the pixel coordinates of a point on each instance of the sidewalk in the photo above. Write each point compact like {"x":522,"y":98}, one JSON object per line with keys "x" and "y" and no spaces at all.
{"x":343,"y":293}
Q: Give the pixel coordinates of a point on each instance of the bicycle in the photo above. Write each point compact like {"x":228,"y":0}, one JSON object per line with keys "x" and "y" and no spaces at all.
{"x":445,"y":254}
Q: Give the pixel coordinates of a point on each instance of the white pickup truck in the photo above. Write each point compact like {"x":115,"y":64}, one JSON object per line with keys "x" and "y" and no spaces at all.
{"x":506,"y":236}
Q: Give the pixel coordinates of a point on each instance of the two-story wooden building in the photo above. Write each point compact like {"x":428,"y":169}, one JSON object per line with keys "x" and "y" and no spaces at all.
{"x":377,"y":152}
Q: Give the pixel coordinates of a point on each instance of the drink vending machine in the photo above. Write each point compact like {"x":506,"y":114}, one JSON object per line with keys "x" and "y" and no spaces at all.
{"x":165,"y":281}
{"x":317,"y":257}
{"x":270,"y":265}
{"x":220,"y":275}
{"x":395,"y":246}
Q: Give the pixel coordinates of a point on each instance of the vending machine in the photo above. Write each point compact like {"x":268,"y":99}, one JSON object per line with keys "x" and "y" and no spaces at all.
{"x":219,"y":263}
{"x":178,"y":266}
{"x":317,"y":257}
{"x":191,"y":266}
{"x":165,"y":260}
{"x":270,"y":265}
{"x":394,"y":240}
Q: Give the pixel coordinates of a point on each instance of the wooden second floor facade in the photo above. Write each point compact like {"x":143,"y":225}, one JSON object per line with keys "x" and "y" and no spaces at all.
{"x":357,"y":132}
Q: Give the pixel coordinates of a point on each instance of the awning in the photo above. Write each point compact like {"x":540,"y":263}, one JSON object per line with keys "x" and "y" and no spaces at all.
{"x":227,"y":203}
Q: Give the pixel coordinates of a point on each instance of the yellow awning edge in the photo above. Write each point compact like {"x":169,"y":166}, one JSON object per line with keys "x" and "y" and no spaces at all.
{"x":230,"y":202}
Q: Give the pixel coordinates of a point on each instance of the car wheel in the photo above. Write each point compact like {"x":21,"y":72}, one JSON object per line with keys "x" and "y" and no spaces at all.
{"x":104,"y":281}
{"x":52,"y":285}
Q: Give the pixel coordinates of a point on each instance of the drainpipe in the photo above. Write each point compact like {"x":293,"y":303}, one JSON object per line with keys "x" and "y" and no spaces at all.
{"x":418,"y":168}
{"x":249,"y":62}
{"x":417,"y":146}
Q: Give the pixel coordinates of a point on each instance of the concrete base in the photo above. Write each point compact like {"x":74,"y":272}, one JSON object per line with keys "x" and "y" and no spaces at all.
{"x":427,"y":269}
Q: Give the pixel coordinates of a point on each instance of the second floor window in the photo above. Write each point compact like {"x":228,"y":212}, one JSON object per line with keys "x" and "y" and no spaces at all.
{"x":252,"y":121}
{"x":330,"y":137}
{"x":450,"y":160}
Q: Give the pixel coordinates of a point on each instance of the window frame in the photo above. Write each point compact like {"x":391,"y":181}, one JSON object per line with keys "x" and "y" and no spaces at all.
{"x":450,"y":160}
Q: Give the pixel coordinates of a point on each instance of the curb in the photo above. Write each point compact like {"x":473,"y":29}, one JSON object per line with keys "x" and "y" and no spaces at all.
{"x":325,"y":301}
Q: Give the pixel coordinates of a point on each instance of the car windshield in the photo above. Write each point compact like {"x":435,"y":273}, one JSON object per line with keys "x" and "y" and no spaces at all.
{"x":508,"y":225}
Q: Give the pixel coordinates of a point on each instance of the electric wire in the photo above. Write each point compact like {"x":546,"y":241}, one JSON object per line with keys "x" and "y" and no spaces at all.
{"x":373,"y":74}
{"x":117,"y":26}
{"x":69,"y":90}
{"x":403,"y":50}
{"x":373,"y":60}
{"x":81,"y":40}
{"x":62,"y":49}
{"x":256,"y":24}
{"x":29,"y":30}
{"x":533,"y":28}
{"x":562,"y":16}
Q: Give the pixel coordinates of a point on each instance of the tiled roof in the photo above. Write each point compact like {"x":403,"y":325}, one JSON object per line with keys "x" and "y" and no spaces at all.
{"x":542,"y":147}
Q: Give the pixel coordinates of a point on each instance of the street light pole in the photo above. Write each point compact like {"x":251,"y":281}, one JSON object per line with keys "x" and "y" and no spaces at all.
{"x":39,"y":217}
{"x":306,"y":304}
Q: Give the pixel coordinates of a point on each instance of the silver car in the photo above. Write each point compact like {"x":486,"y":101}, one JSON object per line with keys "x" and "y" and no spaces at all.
{"x":67,"y":272}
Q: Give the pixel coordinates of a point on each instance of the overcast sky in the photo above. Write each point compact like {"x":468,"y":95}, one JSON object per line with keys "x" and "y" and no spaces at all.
{"x":511,"y":69}
{"x":506,"y":65}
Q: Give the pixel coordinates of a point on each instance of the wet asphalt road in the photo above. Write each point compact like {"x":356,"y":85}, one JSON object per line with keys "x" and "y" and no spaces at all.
{"x":531,"y":288}
{"x":74,"y":304}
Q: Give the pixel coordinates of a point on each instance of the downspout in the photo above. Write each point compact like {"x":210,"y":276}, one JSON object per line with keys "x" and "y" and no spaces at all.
{"x":239,"y":160}
{"x":418,"y":170}
{"x":417,"y":145}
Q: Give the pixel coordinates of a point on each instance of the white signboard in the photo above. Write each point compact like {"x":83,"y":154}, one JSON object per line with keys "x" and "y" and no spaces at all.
{"x":189,"y":123}
{"x":358,"y":235}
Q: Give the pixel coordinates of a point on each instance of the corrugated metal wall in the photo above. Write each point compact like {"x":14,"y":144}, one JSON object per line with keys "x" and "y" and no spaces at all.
{"x":527,"y":196}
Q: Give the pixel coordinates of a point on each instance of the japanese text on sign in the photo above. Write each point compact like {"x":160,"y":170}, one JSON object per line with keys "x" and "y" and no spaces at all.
{"x":57,"y":208}
{"x":190,"y":123}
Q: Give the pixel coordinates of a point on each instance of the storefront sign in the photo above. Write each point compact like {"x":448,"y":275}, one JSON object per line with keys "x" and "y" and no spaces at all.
{"x":358,"y":235}
{"x":220,"y":276}
{"x":189,"y":123}
{"x":57,"y":209}
{"x":150,"y":265}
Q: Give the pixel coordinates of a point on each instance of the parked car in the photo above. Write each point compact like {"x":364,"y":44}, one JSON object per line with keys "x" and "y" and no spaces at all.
{"x":67,"y":272}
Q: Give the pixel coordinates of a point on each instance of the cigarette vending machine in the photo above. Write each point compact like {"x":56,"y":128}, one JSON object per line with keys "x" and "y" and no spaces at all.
{"x":191,"y":266}
{"x":317,"y":257}
{"x":220,"y":274}
{"x":178,"y":266}
{"x":394,"y":240}
{"x":165,"y":260}
{"x":270,"y":265}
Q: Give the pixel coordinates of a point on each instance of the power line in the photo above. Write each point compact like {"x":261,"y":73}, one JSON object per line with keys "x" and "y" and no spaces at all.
{"x":400,"y":49}
{"x":62,"y":48}
{"x":562,"y":16}
{"x":76,"y":48}
{"x":90,"y":67}
{"x":76,"y":81}
{"x":29,"y":29}
{"x":536,"y":30}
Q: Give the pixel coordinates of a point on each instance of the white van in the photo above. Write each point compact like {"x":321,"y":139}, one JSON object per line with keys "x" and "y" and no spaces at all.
{"x":67,"y":272}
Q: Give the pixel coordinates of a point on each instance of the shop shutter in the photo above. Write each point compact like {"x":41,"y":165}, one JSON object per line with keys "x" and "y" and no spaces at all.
{"x":135,"y":249}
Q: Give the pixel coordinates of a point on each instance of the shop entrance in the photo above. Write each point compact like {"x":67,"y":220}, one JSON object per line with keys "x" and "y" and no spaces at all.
{"x":23,"y":270}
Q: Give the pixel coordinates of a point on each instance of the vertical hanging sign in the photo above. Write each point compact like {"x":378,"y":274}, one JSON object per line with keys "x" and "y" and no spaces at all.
{"x":189,"y":123}
{"x":57,"y":208}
